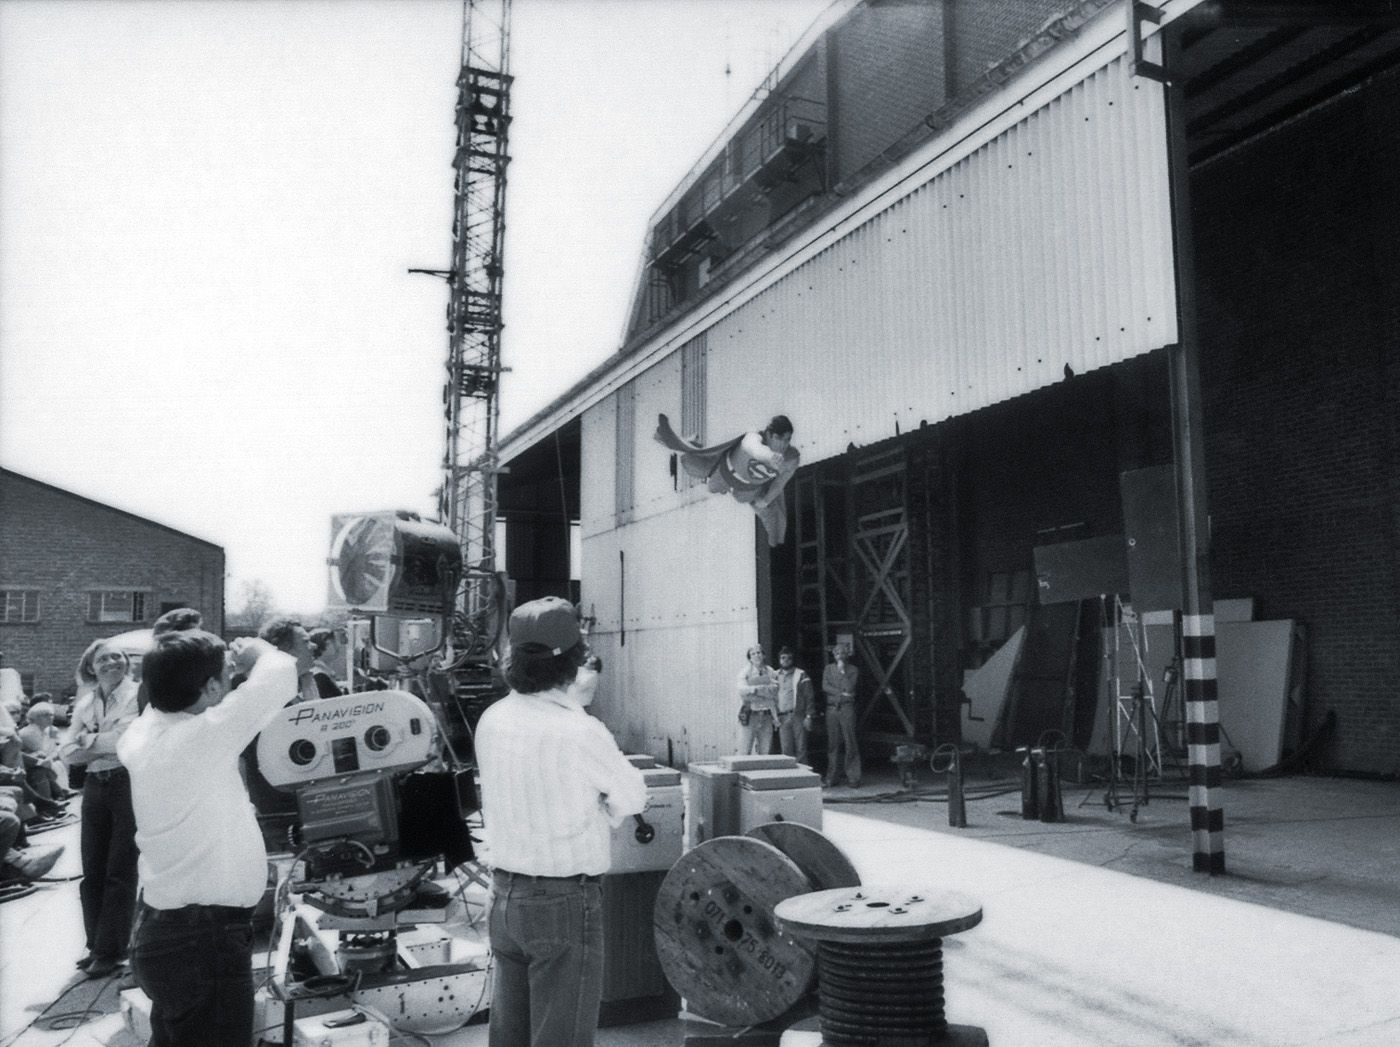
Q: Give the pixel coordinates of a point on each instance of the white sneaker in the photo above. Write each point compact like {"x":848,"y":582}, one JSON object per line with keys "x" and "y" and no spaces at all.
{"x":32,"y":862}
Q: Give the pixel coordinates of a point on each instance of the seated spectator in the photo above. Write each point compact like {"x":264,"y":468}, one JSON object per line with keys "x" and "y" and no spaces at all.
{"x":62,"y":705}
{"x":27,"y":804}
{"x":17,"y":860}
{"x":39,"y":741}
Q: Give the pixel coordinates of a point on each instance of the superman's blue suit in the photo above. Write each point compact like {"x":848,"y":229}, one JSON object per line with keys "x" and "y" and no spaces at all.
{"x":744,"y":467}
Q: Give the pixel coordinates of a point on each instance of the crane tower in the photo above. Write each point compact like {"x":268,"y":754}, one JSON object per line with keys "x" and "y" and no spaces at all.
{"x":471,"y":393}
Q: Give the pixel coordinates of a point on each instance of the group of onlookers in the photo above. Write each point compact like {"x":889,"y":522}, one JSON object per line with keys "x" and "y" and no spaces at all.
{"x":782,"y":701}
{"x":42,"y":765}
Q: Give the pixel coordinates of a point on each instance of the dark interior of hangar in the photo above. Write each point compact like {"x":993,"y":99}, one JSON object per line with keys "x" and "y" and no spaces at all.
{"x":538,"y":499}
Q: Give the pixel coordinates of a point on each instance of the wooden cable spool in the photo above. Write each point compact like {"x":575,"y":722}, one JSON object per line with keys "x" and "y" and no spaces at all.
{"x":821,"y":861}
{"x":716,"y":938}
{"x":881,"y":957}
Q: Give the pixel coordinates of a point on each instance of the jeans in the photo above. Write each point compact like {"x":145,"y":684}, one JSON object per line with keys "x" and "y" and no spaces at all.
{"x":792,"y":736}
{"x":841,"y":735}
{"x":547,"y":940}
{"x":108,"y":890}
{"x":758,"y":733}
{"x":196,"y":965}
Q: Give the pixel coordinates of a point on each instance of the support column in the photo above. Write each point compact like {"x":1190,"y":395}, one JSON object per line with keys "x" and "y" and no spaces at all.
{"x":1193,"y":514}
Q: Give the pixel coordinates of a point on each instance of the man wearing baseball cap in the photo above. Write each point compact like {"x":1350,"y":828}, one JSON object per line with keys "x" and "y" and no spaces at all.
{"x":553,"y":786}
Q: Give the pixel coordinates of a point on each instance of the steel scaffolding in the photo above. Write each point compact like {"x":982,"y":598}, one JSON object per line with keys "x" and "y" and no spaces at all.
{"x":471,"y":392}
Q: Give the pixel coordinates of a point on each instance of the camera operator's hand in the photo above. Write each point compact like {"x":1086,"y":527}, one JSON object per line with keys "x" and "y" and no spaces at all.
{"x":246,"y":651}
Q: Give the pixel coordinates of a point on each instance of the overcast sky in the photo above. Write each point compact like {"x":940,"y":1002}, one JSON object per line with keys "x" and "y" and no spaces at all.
{"x":207,"y":211}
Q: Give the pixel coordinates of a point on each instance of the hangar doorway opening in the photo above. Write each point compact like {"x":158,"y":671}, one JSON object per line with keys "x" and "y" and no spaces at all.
{"x":538,"y":506}
{"x":920,"y":551}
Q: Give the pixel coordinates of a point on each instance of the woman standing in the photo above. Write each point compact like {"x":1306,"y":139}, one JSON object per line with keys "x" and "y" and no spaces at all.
{"x":103,"y":712}
{"x":758,"y":703}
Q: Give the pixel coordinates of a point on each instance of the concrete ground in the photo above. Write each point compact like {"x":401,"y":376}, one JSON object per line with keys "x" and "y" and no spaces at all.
{"x":1095,"y":930}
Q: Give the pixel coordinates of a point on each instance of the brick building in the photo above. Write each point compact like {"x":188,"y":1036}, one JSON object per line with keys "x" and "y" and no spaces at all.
{"x":73,"y":569}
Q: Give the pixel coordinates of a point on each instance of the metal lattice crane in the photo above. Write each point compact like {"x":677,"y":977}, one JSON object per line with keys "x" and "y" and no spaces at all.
{"x":470,"y":395}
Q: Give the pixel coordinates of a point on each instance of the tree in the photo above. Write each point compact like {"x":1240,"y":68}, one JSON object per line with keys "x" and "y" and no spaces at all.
{"x":256,"y":605}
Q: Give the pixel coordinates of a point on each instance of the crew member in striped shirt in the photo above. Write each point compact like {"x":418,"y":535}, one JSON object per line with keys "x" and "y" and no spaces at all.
{"x":553,"y":786}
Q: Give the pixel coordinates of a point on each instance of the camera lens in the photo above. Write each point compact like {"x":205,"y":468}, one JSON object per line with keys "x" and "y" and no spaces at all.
{"x":302,"y":752}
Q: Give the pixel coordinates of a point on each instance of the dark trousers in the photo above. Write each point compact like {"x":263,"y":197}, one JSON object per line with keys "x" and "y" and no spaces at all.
{"x":841,"y":739}
{"x":108,"y":890}
{"x":547,"y":944}
{"x":196,"y":965}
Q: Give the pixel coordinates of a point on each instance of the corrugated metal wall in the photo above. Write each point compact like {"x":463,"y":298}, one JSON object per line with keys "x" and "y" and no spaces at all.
{"x":1048,"y":247}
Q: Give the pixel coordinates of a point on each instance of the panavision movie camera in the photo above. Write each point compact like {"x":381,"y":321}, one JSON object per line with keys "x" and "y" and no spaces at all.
{"x":371,"y":824}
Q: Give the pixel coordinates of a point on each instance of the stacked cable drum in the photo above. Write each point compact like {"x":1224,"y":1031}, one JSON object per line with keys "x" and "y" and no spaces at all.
{"x":880,"y":963}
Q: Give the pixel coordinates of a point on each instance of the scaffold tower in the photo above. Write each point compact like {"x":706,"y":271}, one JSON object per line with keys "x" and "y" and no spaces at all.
{"x":471,"y":393}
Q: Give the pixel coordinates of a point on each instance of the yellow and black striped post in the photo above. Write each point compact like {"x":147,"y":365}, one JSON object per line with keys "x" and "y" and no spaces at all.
{"x":1203,"y":743}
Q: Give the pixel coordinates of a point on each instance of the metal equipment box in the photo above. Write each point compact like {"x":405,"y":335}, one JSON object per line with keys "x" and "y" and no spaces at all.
{"x":634,"y":987}
{"x":632,"y":849}
{"x":792,"y":794}
{"x":712,"y":803}
{"x":757,"y":763}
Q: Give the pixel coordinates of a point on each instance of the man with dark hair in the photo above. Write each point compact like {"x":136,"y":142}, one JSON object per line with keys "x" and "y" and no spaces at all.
{"x":290,"y":636}
{"x":328,"y":648}
{"x":753,"y":468}
{"x":203,"y":864}
{"x":794,"y":706}
{"x":553,"y":785}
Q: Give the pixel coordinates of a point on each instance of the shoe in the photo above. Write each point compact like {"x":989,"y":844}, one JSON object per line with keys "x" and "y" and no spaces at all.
{"x":101,"y":966}
{"x":33,"y":862}
{"x":82,"y":964}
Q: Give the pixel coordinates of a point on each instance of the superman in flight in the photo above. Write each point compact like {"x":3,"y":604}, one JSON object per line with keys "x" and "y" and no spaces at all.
{"x":753,"y":467}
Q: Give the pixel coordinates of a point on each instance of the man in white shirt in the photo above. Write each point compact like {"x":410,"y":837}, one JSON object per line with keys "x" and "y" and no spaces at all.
{"x":203,"y":865}
{"x":553,"y":786}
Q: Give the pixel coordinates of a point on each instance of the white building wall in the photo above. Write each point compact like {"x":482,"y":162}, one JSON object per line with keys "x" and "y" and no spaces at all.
{"x":676,"y":611}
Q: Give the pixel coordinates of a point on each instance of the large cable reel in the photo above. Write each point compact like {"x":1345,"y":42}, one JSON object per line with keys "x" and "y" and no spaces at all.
{"x":716,"y":938}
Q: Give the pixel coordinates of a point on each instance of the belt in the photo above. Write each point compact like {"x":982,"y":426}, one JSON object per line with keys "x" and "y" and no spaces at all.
{"x":506,"y":874}
{"x":108,"y":775}
{"x":196,"y":913}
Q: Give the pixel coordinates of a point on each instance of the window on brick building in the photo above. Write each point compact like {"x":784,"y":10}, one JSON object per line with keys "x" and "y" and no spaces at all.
{"x":117,"y":605}
{"x":19,"y":605}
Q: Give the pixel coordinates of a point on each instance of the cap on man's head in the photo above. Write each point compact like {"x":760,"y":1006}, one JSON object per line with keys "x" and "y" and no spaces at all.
{"x":548,"y":622}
